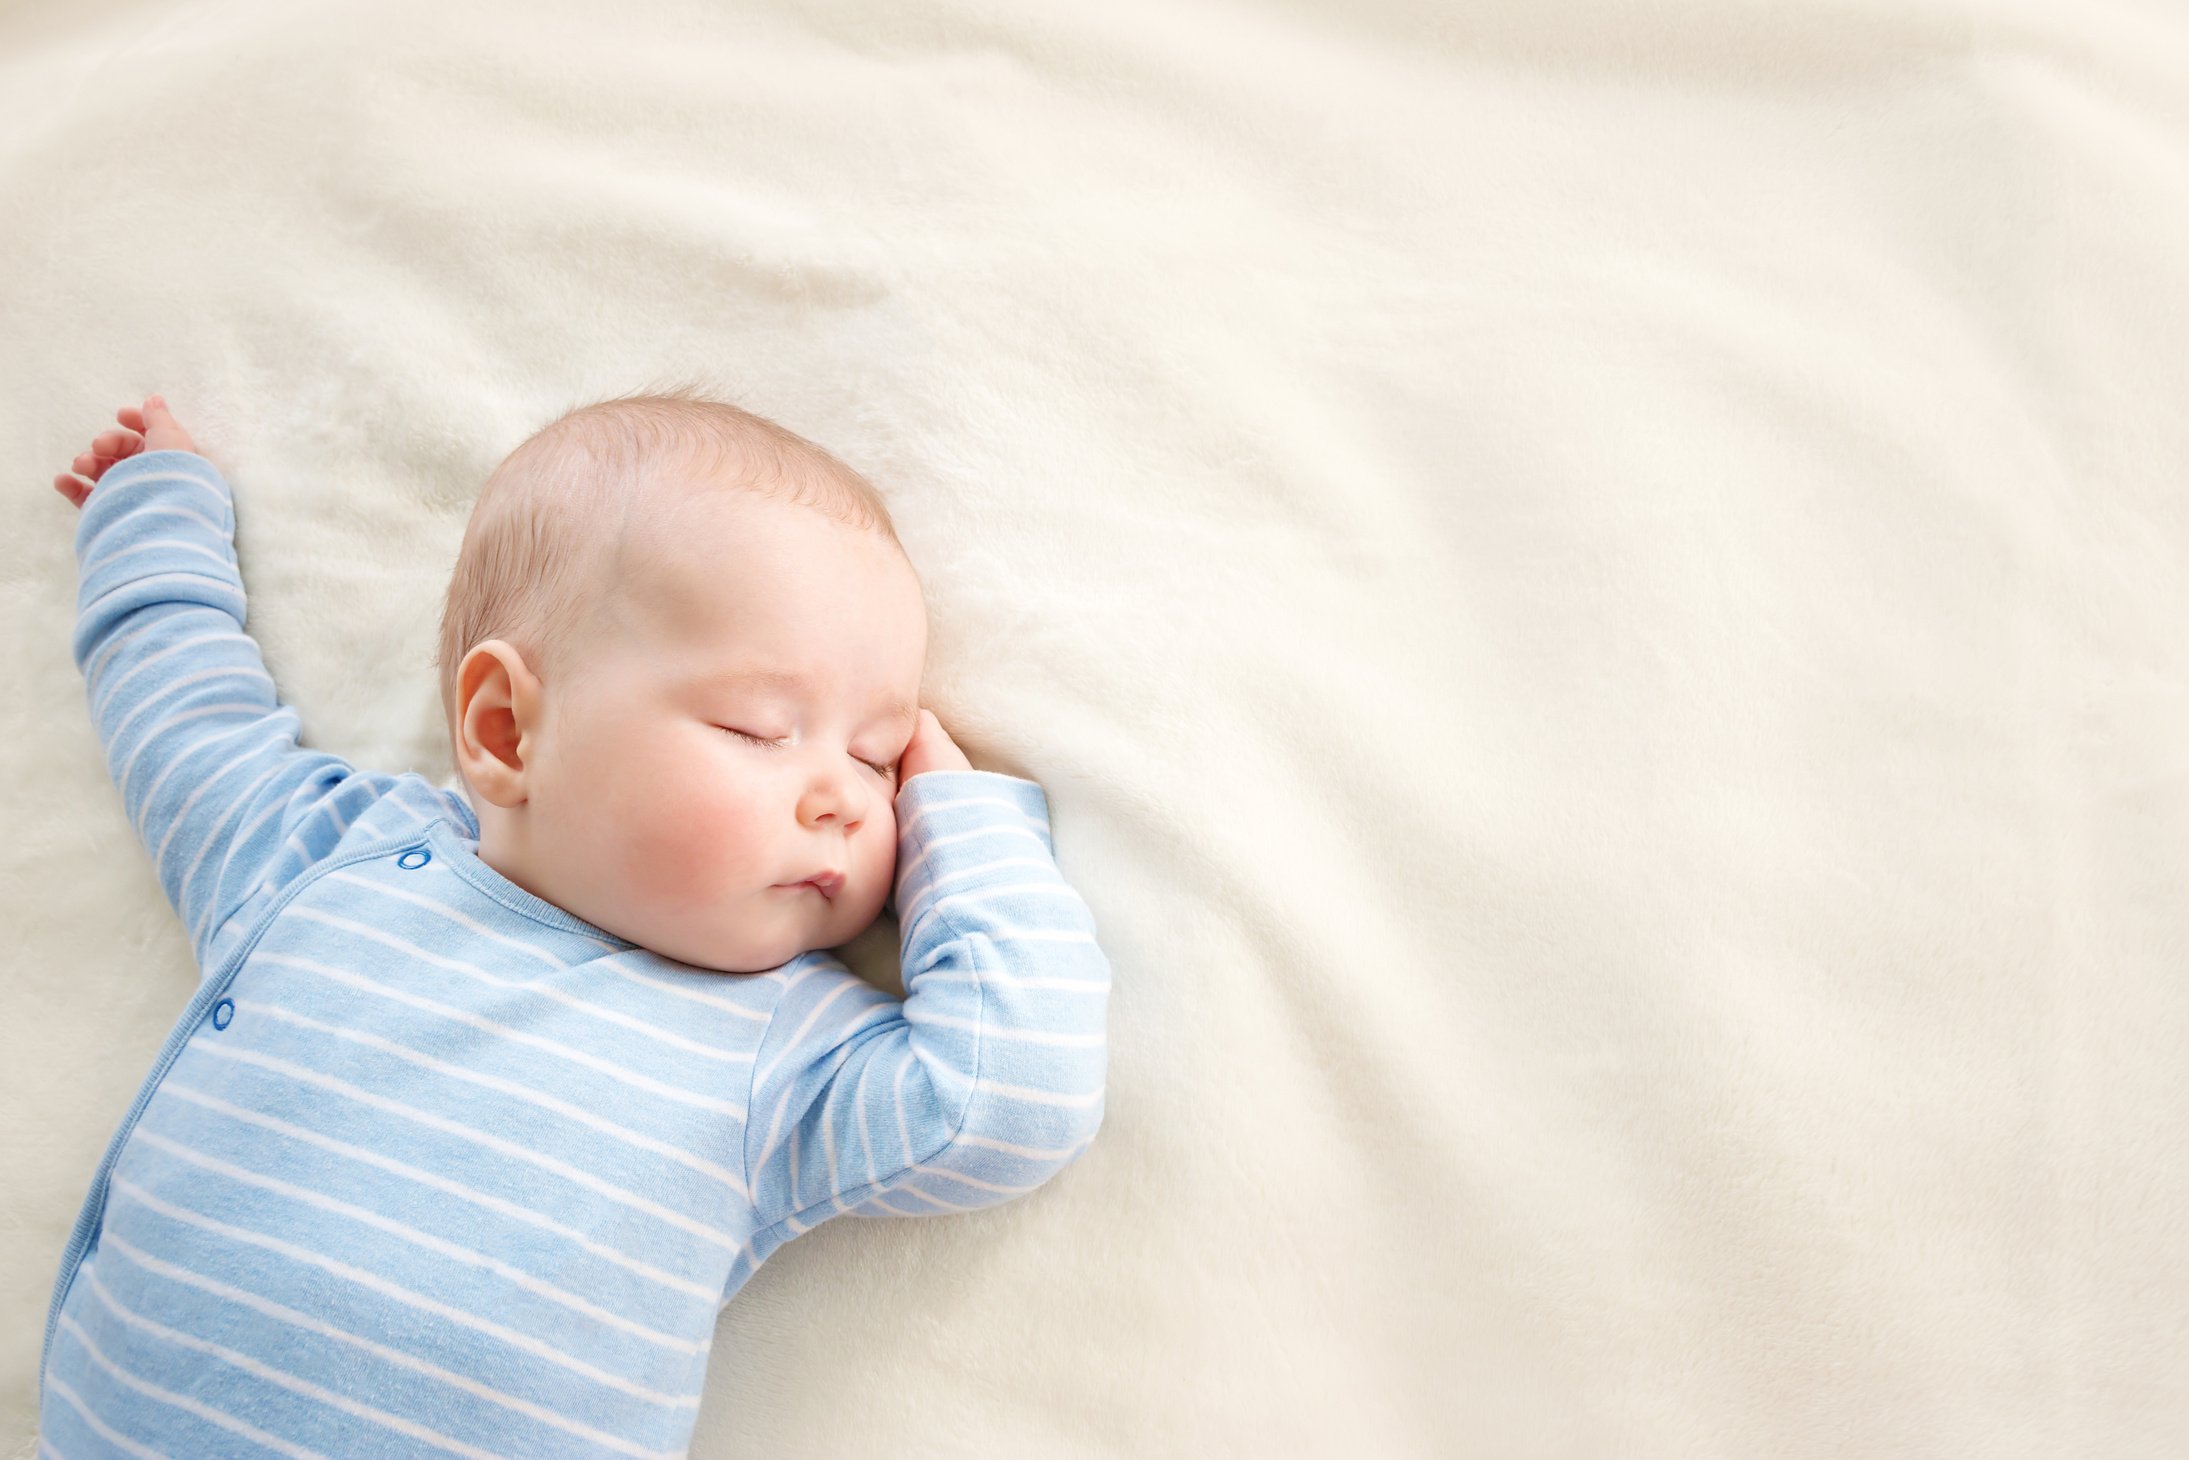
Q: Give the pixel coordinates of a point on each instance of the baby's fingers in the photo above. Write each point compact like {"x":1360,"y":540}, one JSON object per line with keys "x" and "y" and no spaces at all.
{"x":72,"y":488}
{"x":114,"y":445}
{"x":110,"y":447}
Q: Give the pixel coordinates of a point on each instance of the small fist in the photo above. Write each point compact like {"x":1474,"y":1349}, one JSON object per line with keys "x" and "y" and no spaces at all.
{"x":931,"y":749}
{"x":153,"y":428}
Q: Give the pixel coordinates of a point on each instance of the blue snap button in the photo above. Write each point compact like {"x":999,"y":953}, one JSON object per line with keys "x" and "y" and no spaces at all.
{"x":416,"y":857}
{"x":223,"y":1012}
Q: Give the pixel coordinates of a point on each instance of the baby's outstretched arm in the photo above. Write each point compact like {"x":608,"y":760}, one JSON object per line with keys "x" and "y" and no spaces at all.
{"x":201,"y":748}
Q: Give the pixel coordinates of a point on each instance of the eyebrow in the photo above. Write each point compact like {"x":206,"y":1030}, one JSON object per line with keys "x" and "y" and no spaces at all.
{"x":896,"y":707}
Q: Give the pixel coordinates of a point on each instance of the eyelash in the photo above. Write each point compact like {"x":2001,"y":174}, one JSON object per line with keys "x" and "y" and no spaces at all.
{"x":883,"y":771}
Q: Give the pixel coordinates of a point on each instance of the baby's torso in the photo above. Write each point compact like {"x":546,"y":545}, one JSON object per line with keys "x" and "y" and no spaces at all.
{"x":431,"y":1132}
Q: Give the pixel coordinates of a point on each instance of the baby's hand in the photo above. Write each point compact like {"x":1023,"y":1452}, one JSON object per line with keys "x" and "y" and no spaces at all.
{"x":152,"y":429}
{"x":931,"y":749}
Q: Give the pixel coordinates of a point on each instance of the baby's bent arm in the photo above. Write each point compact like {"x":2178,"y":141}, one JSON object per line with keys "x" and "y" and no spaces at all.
{"x":201,"y":748}
{"x":988,"y":1078}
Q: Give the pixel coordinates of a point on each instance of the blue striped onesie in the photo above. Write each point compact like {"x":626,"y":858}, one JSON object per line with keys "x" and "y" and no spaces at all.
{"x":429,"y":1165}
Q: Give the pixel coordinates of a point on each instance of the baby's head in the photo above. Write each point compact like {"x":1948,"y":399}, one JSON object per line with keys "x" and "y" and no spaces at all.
{"x":640,"y":581}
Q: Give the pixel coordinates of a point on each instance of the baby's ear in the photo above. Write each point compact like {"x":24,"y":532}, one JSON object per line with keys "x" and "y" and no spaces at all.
{"x":497,"y":721}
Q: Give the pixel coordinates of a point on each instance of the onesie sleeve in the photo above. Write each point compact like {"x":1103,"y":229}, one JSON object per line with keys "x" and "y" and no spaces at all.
{"x":987,"y":1078}
{"x":204,"y":754}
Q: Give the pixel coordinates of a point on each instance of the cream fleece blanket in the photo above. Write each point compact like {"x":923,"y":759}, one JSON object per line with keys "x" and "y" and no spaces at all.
{"x":1599,"y":593}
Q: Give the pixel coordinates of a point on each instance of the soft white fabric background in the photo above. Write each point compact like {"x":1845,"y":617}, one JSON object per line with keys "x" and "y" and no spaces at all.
{"x":1598,"y":589}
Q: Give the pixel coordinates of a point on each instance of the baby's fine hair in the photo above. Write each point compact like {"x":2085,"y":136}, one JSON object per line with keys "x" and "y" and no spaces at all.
{"x":549,"y":520}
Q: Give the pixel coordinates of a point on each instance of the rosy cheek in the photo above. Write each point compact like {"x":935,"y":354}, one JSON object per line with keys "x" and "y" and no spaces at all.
{"x":680,"y":838}
{"x":703,"y":847}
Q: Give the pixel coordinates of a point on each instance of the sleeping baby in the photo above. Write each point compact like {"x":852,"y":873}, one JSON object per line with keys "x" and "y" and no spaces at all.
{"x":494,"y":1092}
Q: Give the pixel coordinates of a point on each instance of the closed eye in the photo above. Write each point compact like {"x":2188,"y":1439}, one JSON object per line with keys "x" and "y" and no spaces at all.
{"x":883,"y":771}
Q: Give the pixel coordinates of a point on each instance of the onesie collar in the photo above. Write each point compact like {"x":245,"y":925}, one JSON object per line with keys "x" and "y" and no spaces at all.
{"x":462,"y":855}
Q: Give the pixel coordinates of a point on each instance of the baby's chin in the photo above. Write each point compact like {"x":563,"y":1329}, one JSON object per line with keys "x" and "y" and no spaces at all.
{"x":743,"y":958}
{"x":773,"y":927}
